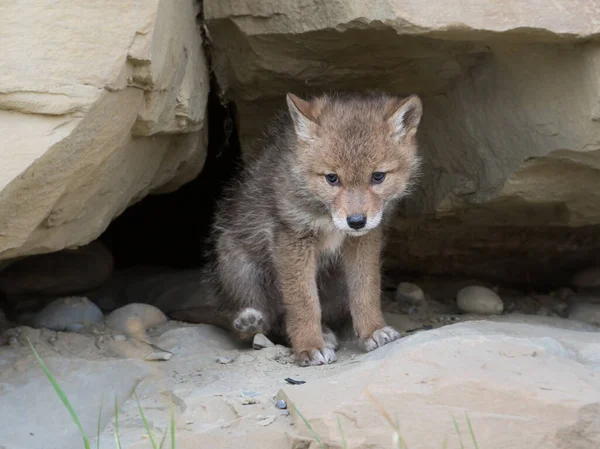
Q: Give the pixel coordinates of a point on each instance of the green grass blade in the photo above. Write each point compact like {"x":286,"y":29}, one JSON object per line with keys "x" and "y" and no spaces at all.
{"x":61,"y":395}
{"x":339,"y":424}
{"x":117,"y":439}
{"x":471,"y":431}
{"x":307,"y":424}
{"x":172,"y":428}
{"x":462,"y":446}
{"x":145,"y":421}
{"x":164,"y":438}
{"x":99,"y":421}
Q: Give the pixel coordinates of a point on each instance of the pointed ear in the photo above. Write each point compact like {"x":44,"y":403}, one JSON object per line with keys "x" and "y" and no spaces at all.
{"x":404,"y":116}
{"x":302,"y":113}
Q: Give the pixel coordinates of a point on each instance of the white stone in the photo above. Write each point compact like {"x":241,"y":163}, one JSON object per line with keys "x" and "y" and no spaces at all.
{"x":134,"y":319}
{"x":261,"y":342}
{"x":409,"y":292}
{"x":479,"y":300}
{"x":101,"y":104}
{"x":72,"y":313}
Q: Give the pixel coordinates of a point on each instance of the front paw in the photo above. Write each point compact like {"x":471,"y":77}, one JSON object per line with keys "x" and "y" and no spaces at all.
{"x":379,"y":338}
{"x":314,"y":357}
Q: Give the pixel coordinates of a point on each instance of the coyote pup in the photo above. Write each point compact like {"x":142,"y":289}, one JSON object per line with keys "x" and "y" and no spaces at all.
{"x":297,"y":240}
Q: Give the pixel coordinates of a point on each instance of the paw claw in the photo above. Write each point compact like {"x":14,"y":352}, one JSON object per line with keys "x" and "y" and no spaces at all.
{"x":331,"y":340}
{"x":379,"y":338}
{"x":315,"y":357}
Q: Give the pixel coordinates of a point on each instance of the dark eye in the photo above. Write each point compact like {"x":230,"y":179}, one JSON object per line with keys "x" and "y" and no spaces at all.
{"x":378,"y":177}
{"x":332,"y":179}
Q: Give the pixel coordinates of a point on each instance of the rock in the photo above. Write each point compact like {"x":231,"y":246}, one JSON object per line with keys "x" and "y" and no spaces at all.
{"x":110,"y":117}
{"x":86,"y":384}
{"x":588,"y":278}
{"x":66,"y":272}
{"x":408,"y":292}
{"x":134,"y":319}
{"x":538,"y":381}
{"x":225,"y":360}
{"x":465,"y":62}
{"x":585,"y":312}
{"x":261,"y":342}
{"x":479,"y":300}
{"x":281,"y":404}
{"x":71,"y":314}
{"x":161,"y":356}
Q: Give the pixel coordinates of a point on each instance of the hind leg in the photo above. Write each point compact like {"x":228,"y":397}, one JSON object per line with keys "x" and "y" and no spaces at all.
{"x":248,"y":322}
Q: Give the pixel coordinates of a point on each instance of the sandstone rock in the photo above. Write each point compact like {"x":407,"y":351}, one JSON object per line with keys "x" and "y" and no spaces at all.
{"x":585,"y":312}
{"x":479,"y":300}
{"x":65,"y":272}
{"x":409,"y":292}
{"x":94,"y":115}
{"x":537,"y":381}
{"x":510,"y":129}
{"x":68,"y":314}
{"x":134,"y":319}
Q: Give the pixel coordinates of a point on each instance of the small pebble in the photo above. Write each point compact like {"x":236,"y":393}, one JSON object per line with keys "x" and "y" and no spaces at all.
{"x":281,"y":404}
{"x":120,"y":337}
{"x":225,"y":360}
{"x":479,"y":300}
{"x":285,"y":413}
{"x":408,"y":292}
{"x":73,"y":314}
{"x":261,"y":342}
{"x":158,"y":356}
{"x":249,"y":401}
{"x":585,"y":312}
{"x":291,"y":381}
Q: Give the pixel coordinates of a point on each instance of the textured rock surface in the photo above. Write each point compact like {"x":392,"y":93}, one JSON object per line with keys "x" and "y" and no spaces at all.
{"x":510,"y":129}
{"x":517,"y":372}
{"x":60,"y":273}
{"x":536,"y":381}
{"x":95,"y":113}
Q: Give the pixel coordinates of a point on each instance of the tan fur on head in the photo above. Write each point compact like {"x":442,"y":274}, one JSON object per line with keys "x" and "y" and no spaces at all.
{"x":354,"y":139}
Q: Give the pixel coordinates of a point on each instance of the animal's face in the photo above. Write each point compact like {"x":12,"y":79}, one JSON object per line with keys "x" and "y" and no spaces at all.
{"x":357,"y":155}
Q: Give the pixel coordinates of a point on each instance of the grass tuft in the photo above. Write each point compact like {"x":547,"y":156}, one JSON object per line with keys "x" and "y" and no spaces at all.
{"x":339,"y":424}
{"x":61,"y":394}
{"x":63,"y":397}
{"x":309,"y":427}
{"x":145,"y":421}
{"x":117,"y":439}
{"x":99,"y":422}
{"x":471,"y":431}
{"x":462,"y":446}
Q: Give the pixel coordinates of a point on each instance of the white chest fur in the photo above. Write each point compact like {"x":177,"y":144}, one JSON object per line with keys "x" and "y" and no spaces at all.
{"x":331,"y":241}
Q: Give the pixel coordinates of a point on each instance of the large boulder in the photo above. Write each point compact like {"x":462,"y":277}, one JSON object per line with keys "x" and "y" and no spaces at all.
{"x":510,"y":133}
{"x":519,"y":385}
{"x":101,"y":103}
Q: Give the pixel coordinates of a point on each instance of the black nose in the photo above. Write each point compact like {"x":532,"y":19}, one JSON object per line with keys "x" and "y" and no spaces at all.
{"x":356,"y":221}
